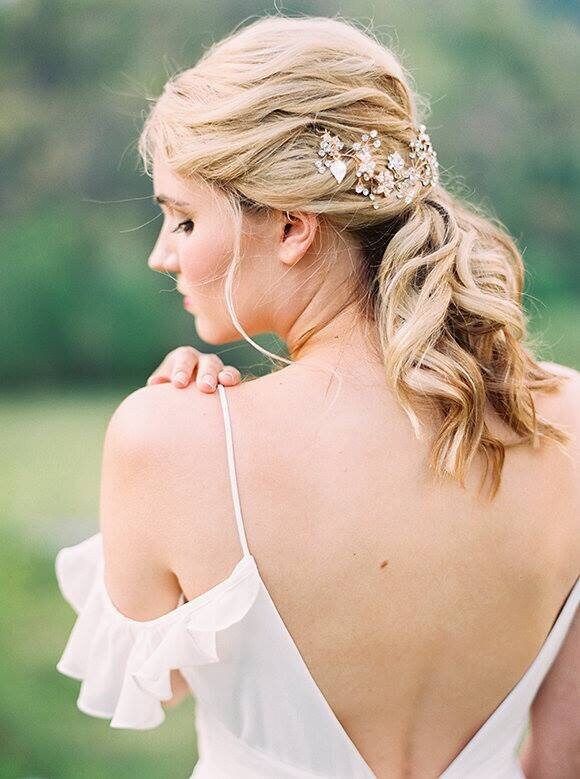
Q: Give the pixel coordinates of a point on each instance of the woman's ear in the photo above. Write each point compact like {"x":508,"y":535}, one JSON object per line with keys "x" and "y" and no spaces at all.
{"x":298,"y":230}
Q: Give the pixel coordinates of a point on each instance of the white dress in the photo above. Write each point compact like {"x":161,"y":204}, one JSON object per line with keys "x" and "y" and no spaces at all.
{"x":259,"y":712}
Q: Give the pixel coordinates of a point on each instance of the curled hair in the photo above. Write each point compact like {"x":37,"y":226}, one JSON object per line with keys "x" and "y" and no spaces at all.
{"x":441,"y":281}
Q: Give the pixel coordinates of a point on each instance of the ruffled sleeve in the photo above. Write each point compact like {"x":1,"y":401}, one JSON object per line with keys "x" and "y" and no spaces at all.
{"x":123,"y":664}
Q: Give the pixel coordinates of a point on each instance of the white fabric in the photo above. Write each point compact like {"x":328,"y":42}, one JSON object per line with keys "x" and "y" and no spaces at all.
{"x":259,"y":712}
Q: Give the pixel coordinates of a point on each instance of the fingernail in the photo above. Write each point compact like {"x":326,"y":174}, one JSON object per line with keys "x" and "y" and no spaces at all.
{"x":180,"y":377}
{"x":228,"y":374}
{"x":209,"y":381}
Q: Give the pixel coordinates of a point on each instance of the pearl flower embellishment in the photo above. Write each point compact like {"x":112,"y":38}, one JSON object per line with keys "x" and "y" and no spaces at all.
{"x":400,"y":178}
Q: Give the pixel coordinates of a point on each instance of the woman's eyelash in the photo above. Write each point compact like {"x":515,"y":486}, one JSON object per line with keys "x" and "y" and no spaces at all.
{"x":181,"y":224}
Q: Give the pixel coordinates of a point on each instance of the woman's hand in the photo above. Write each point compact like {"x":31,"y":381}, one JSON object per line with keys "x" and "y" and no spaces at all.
{"x":180,"y":365}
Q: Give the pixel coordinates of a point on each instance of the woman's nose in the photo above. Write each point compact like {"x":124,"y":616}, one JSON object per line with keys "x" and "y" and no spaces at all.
{"x":164,"y":262}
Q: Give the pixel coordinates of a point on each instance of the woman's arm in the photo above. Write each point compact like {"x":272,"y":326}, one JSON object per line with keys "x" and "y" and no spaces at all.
{"x":180,"y":689}
{"x":552,"y":745}
{"x":138,"y":507}
{"x":552,"y":748}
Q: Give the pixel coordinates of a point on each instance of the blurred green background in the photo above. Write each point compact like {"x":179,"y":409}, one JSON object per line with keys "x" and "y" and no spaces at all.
{"x":84,"y":321}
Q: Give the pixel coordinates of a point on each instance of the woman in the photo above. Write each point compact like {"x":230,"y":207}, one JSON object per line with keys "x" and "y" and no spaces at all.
{"x":366,"y":562}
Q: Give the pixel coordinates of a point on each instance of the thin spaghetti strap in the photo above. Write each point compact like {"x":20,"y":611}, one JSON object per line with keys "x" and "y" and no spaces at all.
{"x":232,"y":470}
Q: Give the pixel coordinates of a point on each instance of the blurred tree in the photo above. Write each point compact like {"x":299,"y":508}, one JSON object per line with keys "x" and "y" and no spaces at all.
{"x":78,"y":301}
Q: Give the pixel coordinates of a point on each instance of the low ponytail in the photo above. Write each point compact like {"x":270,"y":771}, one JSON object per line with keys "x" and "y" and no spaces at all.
{"x":448,"y":306}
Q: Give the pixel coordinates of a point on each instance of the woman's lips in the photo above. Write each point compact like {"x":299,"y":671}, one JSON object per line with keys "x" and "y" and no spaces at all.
{"x":186,"y":302}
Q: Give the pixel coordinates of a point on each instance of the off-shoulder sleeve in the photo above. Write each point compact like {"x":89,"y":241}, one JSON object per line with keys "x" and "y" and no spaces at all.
{"x":123,"y":664}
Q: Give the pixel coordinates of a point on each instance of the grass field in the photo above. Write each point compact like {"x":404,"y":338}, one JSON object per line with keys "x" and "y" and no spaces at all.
{"x":49,"y":463}
{"x":50,"y":453}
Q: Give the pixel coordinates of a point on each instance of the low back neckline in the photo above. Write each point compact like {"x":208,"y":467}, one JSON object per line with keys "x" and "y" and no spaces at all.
{"x":551,"y":636}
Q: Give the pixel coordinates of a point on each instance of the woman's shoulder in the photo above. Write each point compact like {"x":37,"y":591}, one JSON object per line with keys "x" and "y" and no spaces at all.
{"x":562,"y":406}
{"x":164,"y":499}
{"x":564,"y":370}
{"x":169,"y":443}
{"x":556,"y":480}
{"x":161,"y":415}
{"x":162,"y":420}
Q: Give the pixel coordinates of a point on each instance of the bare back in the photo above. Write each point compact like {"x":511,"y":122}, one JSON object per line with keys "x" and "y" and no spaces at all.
{"x":416,"y":605}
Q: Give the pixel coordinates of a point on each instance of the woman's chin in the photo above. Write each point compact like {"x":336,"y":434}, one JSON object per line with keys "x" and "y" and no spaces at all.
{"x":213,"y":334}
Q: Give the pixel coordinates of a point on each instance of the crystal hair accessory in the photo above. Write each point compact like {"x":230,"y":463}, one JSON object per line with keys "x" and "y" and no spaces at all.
{"x":405,"y":180}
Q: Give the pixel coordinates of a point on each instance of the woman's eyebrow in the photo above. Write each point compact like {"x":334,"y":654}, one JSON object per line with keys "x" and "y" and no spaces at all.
{"x":164,"y":199}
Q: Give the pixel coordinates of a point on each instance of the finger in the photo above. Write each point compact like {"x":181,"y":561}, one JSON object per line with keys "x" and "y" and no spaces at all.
{"x":185,"y":361}
{"x":207,"y":372}
{"x":229,"y":375}
{"x":163,"y":371}
{"x":157,"y":378}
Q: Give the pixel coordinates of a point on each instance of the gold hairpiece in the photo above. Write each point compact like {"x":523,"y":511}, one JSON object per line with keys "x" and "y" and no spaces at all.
{"x":405,"y":180}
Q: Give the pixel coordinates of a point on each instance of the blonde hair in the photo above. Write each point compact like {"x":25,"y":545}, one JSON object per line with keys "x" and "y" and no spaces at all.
{"x":442,"y":283}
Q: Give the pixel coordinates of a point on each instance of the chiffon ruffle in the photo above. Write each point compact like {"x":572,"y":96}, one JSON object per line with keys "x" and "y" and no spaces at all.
{"x":124,"y":665}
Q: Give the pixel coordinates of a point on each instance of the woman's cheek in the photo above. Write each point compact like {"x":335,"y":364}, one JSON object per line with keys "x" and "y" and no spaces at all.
{"x":201,"y":264}
{"x":207,"y":252}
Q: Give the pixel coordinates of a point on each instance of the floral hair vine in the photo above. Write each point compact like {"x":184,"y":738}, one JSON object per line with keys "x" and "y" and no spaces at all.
{"x":405,"y":180}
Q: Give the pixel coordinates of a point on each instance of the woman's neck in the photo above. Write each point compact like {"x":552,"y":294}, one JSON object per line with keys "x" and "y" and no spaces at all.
{"x":348,"y":345}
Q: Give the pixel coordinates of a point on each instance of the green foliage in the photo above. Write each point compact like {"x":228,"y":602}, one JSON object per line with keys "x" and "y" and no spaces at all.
{"x":80,"y":303}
